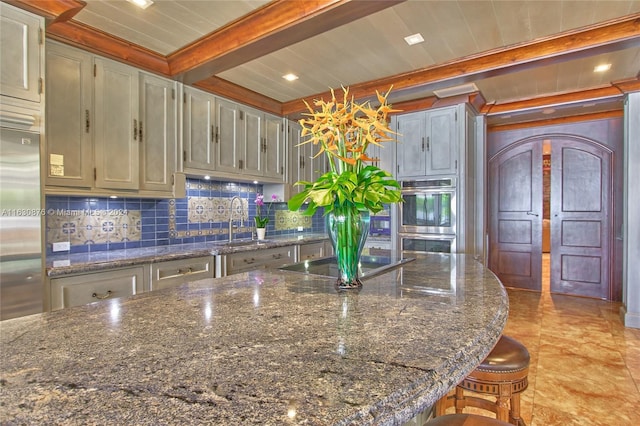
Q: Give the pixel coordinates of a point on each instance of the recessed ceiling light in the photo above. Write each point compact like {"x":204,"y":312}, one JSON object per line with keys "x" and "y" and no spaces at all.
{"x":143,"y":4}
{"x":602,"y":68}
{"x":290,"y":77}
{"x":414,"y":39}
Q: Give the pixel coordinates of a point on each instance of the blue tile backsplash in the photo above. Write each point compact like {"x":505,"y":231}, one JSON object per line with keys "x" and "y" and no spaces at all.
{"x":99,"y":224}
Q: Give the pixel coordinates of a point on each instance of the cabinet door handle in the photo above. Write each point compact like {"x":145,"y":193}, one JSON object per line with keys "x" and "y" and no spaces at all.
{"x":277,"y":256}
{"x":102,"y":296}
{"x":428,"y":145}
{"x":135,"y":129}
{"x":240,"y":164}
{"x":140,"y":131}
{"x":247,"y":261}
{"x":422,"y":144}
{"x":86,"y":121}
{"x":213,"y":134}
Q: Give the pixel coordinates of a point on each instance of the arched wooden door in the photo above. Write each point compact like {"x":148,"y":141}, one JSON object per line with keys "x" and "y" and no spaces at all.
{"x":581,"y":226}
{"x":580,"y":218}
{"x":515,"y":215}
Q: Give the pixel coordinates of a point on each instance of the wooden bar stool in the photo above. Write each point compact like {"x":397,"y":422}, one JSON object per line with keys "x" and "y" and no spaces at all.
{"x":464,"y":420}
{"x":503,"y":374}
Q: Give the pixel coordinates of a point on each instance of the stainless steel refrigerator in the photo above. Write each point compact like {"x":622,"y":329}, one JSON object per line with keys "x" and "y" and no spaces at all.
{"x":21,"y":218}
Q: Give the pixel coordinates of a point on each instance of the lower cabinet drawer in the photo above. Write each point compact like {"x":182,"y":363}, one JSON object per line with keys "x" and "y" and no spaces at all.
{"x":87,"y":288}
{"x":259,"y":259}
{"x":175,"y":272}
{"x":312,"y":251}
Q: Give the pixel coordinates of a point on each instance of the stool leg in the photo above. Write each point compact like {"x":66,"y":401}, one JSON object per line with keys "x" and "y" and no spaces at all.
{"x":442,"y":405}
{"x":502,"y":402}
{"x":514,"y":416}
{"x":460,"y":400}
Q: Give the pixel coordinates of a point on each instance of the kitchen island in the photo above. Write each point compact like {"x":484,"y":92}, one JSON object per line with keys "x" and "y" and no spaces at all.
{"x":264,"y":347}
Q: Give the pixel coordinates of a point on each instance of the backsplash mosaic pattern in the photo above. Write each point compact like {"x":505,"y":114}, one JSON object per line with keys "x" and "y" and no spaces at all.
{"x":98,"y":224}
{"x":94,"y":226}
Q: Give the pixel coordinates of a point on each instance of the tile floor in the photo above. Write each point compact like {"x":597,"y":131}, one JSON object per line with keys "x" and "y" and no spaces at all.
{"x":585,"y":365}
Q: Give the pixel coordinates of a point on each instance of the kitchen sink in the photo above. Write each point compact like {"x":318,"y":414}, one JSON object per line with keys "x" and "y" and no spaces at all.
{"x":369,"y":266}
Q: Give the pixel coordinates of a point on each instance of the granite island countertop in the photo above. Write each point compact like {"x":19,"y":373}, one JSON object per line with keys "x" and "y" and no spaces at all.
{"x":264,"y":347}
{"x":66,"y":263}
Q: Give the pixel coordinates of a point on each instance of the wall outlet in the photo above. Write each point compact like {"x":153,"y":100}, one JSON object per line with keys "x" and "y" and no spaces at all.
{"x":63,"y":246}
{"x":300,"y":228}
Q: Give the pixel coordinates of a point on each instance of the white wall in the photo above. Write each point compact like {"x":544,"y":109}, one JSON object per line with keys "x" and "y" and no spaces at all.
{"x":630,"y":311}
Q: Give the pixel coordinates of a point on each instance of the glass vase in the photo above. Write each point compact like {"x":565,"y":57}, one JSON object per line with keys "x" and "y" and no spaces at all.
{"x":348,"y":228}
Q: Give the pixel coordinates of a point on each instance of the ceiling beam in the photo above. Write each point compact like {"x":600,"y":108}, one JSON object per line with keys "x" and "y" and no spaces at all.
{"x":241,"y":94}
{"x":554,"y":100}
{"x":614,"y":35}
{"x":52,"y":11}
{"x":555,"y":121}
{"x":88,"y":38}
{"x":272,"y":27}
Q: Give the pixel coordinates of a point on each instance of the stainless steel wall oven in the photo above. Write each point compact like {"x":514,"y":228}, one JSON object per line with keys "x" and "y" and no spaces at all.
{"x":427,"y":216}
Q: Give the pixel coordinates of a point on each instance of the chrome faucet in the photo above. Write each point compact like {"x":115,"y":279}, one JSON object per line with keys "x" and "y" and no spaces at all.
{"x":242,"y":213}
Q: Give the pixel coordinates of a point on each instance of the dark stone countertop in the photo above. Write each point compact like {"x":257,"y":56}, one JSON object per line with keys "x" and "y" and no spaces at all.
{"x":263,"y":348}
{"x":66,"y":264}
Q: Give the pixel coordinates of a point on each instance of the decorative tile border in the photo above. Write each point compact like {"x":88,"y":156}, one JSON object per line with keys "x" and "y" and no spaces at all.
{"x":288,"y":220}
{"x":94,"y":226}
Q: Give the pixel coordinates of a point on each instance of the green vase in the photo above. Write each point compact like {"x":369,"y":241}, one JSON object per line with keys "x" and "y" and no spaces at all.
{"x":348,"y":228}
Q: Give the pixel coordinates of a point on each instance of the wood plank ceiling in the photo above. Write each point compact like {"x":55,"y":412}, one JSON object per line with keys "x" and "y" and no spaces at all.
{"x":524,"y":56}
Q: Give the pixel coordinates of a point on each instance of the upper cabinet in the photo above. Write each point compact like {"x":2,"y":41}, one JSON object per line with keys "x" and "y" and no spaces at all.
{"x":229,"y":140}
{"x":109,"y":126}
{"x":262,"y":144}
{"x":69,"y":117}
{"x":427,"y":143}
{"x":21,"y":35}
{"x":117,"y":128}
{"x":226,"y":138}
{"x":199,"y":131}
{"x":158,"y":130}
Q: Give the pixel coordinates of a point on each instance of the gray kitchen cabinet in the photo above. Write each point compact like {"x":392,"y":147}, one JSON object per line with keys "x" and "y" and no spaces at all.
{"x":275,"y":152}
{"x":226,"y":139}
{"x":176,"y":272}
{"x":255,"y":259}
{"x":81,"y":289}
{"x":69,"y":117}
{"x":199,"y":132}
{"x":21,"y":34}
{"x":427,"y":143}
{"x":109,"y":126}
{"x":301,"y":162}
{"x":117,"y":125}
{"x":158,"y":135}
{"x":251,"y":125}
{"x":261,"y":147}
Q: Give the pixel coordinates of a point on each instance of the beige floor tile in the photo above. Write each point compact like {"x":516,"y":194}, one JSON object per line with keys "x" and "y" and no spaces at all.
{"x":585,"y":364}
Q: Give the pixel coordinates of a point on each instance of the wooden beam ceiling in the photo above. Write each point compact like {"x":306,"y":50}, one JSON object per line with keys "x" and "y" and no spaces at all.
{"x":615,"y":35}
{"x":278,"y":24}
{"x":282,"y":23}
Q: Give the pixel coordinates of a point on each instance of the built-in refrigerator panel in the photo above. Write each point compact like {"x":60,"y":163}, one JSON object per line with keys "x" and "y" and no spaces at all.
{"x":21,"y":217}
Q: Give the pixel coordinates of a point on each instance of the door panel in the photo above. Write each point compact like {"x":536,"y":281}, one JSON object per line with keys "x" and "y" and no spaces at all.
{"x":580,"y":199}
{"x":515,"y":234}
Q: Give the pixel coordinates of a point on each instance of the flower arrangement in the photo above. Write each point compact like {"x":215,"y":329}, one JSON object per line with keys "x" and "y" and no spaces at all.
{"x":343,"y":129}
{"x":261,"y":221}
{"x":351,"y":189}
